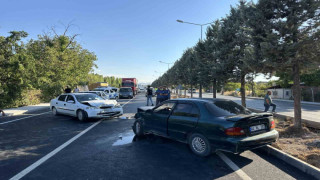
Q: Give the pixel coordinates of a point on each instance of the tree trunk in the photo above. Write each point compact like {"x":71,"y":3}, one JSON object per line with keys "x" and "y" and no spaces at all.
{"x":200,"y":91}
{"x":252,"y":89}
{"x":296,"y":95}
{"x":214,"y":88}
{"x":243,"y":90}
{"x":185,"y":92}
{"x":191,"y":92}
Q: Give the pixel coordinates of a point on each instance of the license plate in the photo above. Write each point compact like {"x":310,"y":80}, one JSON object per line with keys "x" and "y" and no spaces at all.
{"x":257,"y":127}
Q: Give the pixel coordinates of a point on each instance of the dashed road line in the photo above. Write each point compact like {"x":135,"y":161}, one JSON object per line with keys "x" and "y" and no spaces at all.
{"x":23,"y":118}
{"x":233,"y":166}
{"x":52,"y":153}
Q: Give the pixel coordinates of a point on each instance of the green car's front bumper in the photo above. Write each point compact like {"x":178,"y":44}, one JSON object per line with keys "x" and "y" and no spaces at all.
{"x":239,"y":145}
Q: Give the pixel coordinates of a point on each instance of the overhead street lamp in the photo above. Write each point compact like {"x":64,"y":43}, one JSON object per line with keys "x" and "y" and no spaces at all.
{"x":180,"y":21}
{"x":166,"y":63}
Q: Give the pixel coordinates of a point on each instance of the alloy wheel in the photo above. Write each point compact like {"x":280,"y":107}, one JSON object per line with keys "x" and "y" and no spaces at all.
{"x":54,"y":111}
{"x":80,"y":115}
{"x":198,"y":144}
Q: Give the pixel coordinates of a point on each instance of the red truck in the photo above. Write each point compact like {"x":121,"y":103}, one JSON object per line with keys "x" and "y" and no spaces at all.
{"x":130,"y":82}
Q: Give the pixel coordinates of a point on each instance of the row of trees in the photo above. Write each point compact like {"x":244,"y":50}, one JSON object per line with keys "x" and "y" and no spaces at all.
{"x":48,"y":63}
{"x":264,"y":37}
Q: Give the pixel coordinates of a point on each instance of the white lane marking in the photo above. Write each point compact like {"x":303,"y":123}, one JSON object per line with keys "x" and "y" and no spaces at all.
{"x":52,"y":153}
{"x":23,"y":118}
{"x":128,"y":102}
{"x":233,"y":166}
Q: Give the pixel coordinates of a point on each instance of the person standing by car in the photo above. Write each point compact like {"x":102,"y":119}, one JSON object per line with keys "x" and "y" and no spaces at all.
{"x":159,"y":96}
{"x":67,"y":90}
{"x":149,"y":95}
{"x":2,"y":112}
{"x":76,"y":90}
{"x":166,"y":93}
{"x":268,"y":102}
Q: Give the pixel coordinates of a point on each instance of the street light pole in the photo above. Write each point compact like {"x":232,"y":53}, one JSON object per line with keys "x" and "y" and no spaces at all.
{"x":180,"y":21}
{"x":166,"y":63}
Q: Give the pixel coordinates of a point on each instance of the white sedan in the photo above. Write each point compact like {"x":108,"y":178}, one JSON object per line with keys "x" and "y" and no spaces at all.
{"x":85,"y":105}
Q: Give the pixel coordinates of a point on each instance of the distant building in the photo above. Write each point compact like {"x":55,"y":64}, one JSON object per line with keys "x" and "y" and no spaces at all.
{"x":278,"y":92}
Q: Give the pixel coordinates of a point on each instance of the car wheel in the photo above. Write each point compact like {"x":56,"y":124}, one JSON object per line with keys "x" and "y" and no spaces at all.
{"x":199,"y":145}
{"x":54,"y":111}
{"x":82,"y":116}
{"x":137,"y":128}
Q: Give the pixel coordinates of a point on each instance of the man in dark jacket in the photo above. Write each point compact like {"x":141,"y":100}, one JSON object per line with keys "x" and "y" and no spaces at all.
{"x":149,"y":95}
{"x":67,"y":90}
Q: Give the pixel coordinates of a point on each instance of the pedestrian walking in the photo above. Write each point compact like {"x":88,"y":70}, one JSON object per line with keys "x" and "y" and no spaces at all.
{"x":67,"y":90}
{"x":268,"y":102}
{"x":149,"y":95}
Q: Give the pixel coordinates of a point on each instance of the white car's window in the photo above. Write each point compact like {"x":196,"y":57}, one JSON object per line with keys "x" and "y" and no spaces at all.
{"x":88,"y":97}
{"x":70,"y":98}
{"x":62,"y":98}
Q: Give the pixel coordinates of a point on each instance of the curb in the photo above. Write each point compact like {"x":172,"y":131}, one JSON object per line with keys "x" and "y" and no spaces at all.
{"x":308,"y":123}
{"x":25,"y":109}
{"x":297,"y":163}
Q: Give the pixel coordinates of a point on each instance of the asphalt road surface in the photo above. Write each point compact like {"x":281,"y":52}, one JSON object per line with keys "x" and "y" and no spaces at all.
{"x":43,"y":146}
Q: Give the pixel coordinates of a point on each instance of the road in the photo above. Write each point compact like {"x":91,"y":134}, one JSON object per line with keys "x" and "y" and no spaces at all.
{"x":43,"y":146}
{"x":309,"y":111}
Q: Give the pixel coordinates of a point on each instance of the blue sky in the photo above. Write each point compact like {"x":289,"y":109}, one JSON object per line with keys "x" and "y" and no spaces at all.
{"x":129,"y":37}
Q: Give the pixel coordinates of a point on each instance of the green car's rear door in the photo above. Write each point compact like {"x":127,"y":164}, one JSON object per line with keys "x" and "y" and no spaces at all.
{"x":183,"y":120}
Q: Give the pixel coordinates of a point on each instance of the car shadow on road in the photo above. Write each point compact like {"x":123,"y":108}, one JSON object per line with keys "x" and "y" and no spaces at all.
{"x":175,"y":160}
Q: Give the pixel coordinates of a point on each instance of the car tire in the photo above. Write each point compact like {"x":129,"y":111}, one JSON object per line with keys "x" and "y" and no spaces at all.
{"x":82,"y":115}
{"x":138,"y":128}
{"x":55,"y":111}
{"x":199,"y":145}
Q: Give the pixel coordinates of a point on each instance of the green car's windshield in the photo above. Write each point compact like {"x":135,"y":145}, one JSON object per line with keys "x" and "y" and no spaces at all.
{"x":87,"y":97}
{"x":226,"y":108}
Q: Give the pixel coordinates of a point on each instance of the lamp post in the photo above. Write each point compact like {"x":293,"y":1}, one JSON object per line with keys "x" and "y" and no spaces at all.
{"x":160,"y":73}
{"x":201,"y":25}
{"x":166,"y":63}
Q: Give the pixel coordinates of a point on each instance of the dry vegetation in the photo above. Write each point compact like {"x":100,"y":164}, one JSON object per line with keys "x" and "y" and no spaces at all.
{"x":304,"y":144}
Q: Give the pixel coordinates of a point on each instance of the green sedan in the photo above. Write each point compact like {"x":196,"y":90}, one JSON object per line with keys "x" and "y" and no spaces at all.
{"x":207,"y":125}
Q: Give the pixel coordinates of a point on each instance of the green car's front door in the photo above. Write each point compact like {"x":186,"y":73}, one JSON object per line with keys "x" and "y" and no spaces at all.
{"x":157,"y":123}
{"x":183,"y":120}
